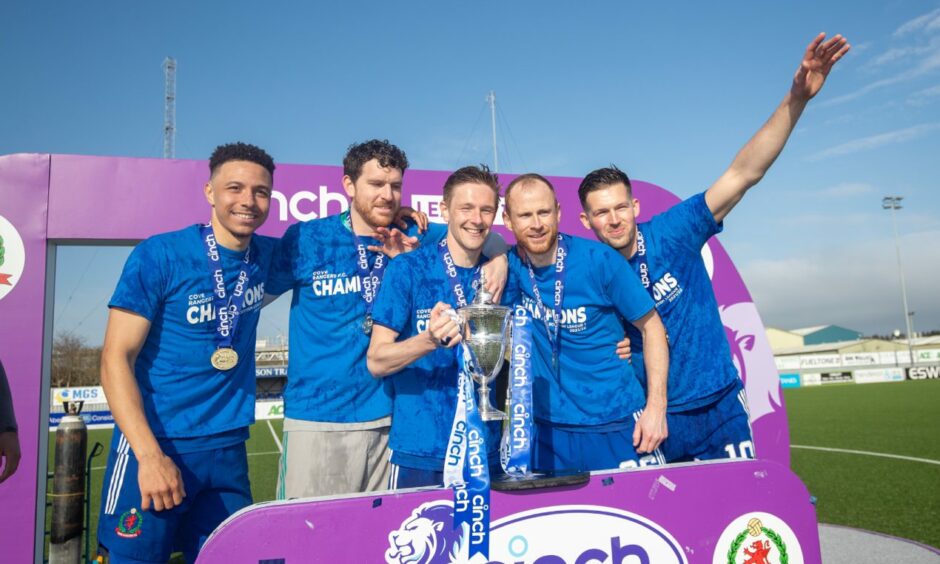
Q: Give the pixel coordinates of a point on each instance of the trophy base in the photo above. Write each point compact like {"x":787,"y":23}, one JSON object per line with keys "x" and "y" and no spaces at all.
{"x":493,"y":415}
{"x":538,"y":480}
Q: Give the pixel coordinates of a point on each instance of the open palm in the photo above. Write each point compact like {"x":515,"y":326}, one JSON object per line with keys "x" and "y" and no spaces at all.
{"x":817,"y":62}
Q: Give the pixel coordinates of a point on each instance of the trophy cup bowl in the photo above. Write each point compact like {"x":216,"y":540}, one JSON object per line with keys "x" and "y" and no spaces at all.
{"x":484,"y":330}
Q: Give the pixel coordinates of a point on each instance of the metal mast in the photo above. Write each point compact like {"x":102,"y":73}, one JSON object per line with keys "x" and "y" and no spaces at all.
{"x":893,"y":203}
{"x":491,"y":98}
{"x":169,"y":109}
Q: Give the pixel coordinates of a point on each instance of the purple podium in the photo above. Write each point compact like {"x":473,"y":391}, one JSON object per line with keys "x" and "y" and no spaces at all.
{"x":683,"y":513}
{"x":745,"y":511}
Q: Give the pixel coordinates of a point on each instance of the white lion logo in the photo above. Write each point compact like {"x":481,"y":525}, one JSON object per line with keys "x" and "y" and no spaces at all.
{"x":428,"y":537}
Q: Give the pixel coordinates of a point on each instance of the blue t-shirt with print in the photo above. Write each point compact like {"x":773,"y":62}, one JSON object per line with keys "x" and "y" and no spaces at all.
{"x":592,"y":385}
{"x":167,"y":280}
{"x":425,"y":391}
{"x":327,"y":378}
{"x":700,"y":365}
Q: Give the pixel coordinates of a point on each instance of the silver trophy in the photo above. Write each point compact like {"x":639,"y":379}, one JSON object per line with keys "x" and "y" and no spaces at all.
{"x":484,"y":329}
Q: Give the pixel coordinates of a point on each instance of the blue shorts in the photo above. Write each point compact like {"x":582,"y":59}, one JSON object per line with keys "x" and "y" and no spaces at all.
{"x":216,"y":485}
{"x":400,"y":477}
{"x":605,"y":447}
{"x":718,"y":430}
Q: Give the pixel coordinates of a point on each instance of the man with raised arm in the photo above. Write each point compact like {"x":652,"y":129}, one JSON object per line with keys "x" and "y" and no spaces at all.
{"x":337,"y":416}
{"x":414,"y":337}
{"x":590,"y":411}
{"x":178,"y":369}
{"x":707,"y":412}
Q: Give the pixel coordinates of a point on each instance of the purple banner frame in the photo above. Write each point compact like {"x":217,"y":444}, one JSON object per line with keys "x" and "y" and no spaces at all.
{"x":47,"y":200}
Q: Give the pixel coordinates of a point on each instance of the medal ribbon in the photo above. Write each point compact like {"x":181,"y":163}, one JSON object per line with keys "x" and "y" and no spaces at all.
{"x":227,"y":311}
{"x":466,"y":468}
{"x":552,"y":320}
{"x":450,"y":271}
{"x":516,"y":456}
{"x":370,"y":278}
{"x":641,"y":258}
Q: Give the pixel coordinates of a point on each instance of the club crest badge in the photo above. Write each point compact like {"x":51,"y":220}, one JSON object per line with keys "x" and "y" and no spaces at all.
{"x":758,"y":538}
{"x":12,"y":257}
{"x":130,"y":524}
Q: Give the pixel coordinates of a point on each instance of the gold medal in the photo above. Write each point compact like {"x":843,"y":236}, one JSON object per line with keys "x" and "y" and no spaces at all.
{"x":224,"y":359}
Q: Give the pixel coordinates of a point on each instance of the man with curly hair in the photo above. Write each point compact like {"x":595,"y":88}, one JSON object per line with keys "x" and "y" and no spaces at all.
{"x":336,"y":416}
{"x":178,"y":369}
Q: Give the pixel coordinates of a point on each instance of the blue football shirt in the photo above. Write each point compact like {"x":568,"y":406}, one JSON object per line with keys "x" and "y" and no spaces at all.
{"x":327,"y":378}
{"x":592,"y":386}
{"x":167,"y":280}
{"x":425,"y":391}
{"x":700,"y":365}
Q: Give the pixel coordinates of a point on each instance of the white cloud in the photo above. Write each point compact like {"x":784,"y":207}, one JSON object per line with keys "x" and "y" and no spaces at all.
{"x":854,"y":286}
{"x":916,"y":60}
{"x":846,"y":190}
{"x":927,"y":22}
{"x":923,"y":97}
{"x":875,"y":141}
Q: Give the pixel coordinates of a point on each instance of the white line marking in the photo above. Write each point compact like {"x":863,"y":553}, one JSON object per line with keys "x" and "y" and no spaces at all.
{"x":867,"y":453}
{"x":277,"y":441}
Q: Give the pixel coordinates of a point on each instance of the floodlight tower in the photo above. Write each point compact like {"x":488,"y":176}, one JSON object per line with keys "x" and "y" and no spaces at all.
{"x":491,"y":99}
{"x":893,"y":203}
{"x":169,"y":108}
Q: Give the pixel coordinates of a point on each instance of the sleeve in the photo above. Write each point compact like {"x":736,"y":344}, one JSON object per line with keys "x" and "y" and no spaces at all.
{"x":7,"y":417}
{"x":494,"y":245}
{"x":143,"y":281}
{"x":689,"y":223}
{"x":435,"y":233}
{"x":286,"y":253}
{"x":512,"y":293}
{"x":623,"y":286}
{"x":393,"y":302}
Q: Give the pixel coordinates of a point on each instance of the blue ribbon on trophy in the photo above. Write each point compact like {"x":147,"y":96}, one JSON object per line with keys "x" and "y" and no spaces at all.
{"x":516,"y":448}
{"x":466,"y":468}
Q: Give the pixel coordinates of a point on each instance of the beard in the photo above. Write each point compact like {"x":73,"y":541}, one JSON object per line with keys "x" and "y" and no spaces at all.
{"x":539,"y":247}
{"x":371,"y":215}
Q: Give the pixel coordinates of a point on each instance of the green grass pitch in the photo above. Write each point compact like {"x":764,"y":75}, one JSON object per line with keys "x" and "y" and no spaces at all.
{"x":262,"y":468}
{"x":897,"y":497}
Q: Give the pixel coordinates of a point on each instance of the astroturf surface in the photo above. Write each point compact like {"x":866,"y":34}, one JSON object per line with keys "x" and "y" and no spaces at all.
{"x":888,"y":495}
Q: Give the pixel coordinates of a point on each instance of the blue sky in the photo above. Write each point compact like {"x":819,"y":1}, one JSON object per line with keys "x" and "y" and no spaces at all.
{"x":669,"y":93}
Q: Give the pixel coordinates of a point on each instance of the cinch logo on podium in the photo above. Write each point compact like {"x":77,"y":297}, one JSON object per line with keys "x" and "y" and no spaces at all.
{"x":604,"y":534}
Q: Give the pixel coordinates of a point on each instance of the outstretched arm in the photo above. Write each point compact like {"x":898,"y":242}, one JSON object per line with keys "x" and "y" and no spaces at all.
{"x":158,"y":477}
{"x":752,"y":162}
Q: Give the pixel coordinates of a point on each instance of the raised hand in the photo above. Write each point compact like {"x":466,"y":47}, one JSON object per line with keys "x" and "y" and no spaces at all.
{"x":816,"y":64}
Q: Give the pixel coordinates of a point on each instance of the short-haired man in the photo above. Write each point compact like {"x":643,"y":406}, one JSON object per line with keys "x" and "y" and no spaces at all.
{"x":707,"y":411}
{"x":178,"y":369}
{"x":414,"y":337}
{"x":590,"y":411}
{"x":337,"y":416}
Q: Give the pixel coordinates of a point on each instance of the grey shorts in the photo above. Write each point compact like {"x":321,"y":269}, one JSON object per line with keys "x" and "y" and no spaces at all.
{"x":324,"y":459}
